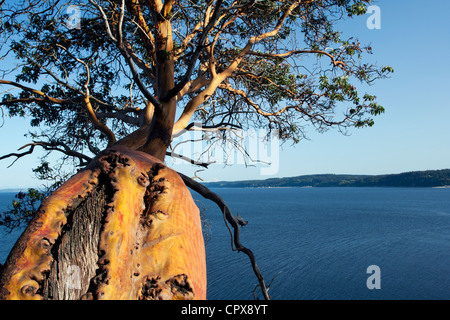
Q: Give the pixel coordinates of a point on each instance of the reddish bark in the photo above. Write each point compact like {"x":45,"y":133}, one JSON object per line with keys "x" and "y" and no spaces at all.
{"x":150,"y":244}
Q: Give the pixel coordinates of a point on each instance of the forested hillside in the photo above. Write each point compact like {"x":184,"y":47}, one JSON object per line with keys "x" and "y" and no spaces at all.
{"x":429,"y":178}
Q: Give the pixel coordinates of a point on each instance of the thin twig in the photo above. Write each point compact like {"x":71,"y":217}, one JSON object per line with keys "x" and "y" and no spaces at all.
{"x":49,"y":146}
{"x":268,"y":287}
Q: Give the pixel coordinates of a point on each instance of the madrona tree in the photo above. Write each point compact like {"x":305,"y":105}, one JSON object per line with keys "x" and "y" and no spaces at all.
{"x":108,"y":84}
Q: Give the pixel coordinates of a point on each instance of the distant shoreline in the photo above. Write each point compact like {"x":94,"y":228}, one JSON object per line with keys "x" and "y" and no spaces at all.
{"x":439,"y":179}
{"x":414,"y":179}
{"x":11,"y":190}
{"x":439,"y":187}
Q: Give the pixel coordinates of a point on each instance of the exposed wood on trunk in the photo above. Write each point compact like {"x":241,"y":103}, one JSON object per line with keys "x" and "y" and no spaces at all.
{"x":76,"y":253}
{"x":126,"y":227}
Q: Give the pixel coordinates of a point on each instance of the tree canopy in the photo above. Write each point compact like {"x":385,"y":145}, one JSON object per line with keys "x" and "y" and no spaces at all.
{"x":137,"y":72}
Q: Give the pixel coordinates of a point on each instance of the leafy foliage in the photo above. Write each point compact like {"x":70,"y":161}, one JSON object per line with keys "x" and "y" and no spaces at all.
{"x":22,"y":208}
{"x":281,"y":65}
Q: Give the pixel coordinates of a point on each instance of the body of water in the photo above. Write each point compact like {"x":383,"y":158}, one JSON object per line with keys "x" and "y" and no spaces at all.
{"x":7,"y":239}
{"x":322,"y":240}
{"x":319,"y":242}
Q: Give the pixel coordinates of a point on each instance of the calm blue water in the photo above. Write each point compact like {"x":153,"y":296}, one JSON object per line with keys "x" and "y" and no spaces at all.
{"x":323,"y":239}
{"x":320,"y":242}
{"x":7,"y":239}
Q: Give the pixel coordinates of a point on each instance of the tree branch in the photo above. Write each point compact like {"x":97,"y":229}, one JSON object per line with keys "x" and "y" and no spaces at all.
{"x":193,"y":85}
{"x":137,"y":78}
{"x":105,"y":20}
{"x":126,"y":54}
{"x":118,"y":115}
{"x":197,"y":52}
{"x":212,"y":60}
{"x":97,"y":124}
{"x":192,"y":105}
{"x":91,"y":113}
{"x":208,"y":194}
{"x":50,"y":146}
{"x":251,"y":103}
{"x":187,"y":40}
{"x":259,"y":38}
{"x":37,"y":92}
{"x":195,"y":102}
{"x":191,"y":161}
{"x":34,"y":99}
{"x":335,"y":62}
{"x":58,"y":80}
{"x":144,"y":30}
{"x":120,"y":25}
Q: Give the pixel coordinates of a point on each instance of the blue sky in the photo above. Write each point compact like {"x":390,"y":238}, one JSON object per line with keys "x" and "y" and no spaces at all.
{"x":413,"y":134}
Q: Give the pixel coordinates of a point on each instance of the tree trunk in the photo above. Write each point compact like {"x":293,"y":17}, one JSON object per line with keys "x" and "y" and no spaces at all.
{"x":125,"y":227}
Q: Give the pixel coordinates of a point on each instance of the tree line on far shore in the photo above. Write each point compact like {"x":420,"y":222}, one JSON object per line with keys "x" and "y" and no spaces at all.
{"x":428,"y":178}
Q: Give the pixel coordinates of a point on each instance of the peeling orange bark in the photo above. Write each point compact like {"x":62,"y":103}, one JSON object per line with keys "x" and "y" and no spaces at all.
{"x":151,"y":244}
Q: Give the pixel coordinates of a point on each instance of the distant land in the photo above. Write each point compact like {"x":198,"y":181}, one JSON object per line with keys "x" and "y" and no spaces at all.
{"x":417,"y":179}
{"x":428,"y":178}
{"x":9,"y":190}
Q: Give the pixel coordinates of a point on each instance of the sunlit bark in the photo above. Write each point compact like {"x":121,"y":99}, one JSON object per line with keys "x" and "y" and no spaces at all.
{"x":149,"y":246}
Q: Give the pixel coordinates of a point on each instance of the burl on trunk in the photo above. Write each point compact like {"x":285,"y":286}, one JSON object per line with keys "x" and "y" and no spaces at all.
{"x":125,"y":227}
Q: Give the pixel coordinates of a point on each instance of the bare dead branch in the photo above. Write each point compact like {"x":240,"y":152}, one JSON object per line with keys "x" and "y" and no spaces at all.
{"x":228,"y":216}
{"x":191,"y":161}
{"x":268,"y":286}
{"x":196,"y":176}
